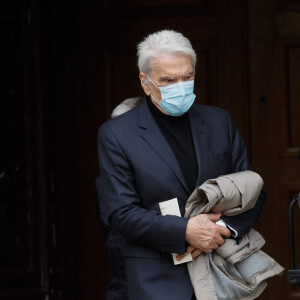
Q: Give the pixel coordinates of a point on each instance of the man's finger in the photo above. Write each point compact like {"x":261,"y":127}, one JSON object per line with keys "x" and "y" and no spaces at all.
{"x":196,"y":253}
{"x":190,"y":249}
{"x":225,"y":231}
{"x":214,"y":217}
{"x":219,"y":241}
{"x":179,"y":257}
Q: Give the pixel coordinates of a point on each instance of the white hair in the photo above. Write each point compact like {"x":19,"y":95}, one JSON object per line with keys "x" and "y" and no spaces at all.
{"x":125,"y":106}
{"x":162,"y":43}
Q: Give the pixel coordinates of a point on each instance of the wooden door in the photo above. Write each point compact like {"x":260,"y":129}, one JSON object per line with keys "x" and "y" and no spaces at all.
{"x":274,"y":62}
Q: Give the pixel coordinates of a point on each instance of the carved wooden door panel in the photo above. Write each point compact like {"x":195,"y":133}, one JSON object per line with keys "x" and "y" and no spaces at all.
{"x":274,"y":44}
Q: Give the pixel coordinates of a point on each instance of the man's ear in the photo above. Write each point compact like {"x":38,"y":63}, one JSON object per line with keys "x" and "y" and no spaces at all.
{"x":143,"y":78}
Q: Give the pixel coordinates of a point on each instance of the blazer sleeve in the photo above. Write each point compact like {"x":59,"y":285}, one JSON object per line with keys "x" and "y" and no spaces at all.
{"x":243,"y":222}
{"x":126,"y":215}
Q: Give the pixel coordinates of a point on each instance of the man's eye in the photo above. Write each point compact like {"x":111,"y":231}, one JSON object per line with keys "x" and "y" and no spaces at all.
{"x":167,"y":81}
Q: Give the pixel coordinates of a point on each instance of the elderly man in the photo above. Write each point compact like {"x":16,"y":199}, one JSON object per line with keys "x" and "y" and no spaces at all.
{"x":161,"y":150}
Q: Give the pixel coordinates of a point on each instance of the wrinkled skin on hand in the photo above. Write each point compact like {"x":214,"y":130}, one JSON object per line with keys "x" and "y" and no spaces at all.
{"x":203,"y":235}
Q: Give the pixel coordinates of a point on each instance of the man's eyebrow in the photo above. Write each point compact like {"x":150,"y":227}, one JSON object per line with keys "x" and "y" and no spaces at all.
{"x":173,"y":77}
{"x":167,"y":77}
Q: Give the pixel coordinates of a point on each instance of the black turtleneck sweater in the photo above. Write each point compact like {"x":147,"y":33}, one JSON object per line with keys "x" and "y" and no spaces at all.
{"x":177,"y":132}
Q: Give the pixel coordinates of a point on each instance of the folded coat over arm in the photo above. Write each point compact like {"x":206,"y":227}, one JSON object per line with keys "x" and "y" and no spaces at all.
{"x":234,"y":270}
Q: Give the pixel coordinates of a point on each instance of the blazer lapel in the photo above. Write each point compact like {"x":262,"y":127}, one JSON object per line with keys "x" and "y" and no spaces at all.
{"x":153,"y":136}
{"x":199,"y":134}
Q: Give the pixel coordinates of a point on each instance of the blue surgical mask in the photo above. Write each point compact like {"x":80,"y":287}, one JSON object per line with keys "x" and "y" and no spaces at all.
{"x":176,"y":98}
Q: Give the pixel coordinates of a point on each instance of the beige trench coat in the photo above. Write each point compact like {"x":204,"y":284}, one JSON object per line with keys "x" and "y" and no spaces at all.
{"x":233,"y":271}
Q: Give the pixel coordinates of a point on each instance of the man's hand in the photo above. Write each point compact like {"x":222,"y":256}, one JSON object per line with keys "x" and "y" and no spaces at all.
{"x":195,"y":253}
{"x":203,"y":234}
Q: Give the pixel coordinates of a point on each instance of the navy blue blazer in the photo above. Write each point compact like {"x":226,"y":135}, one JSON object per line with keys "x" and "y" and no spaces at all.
{"x":139,"y":170}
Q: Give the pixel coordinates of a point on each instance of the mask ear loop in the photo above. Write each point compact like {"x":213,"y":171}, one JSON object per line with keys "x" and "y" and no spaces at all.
{"x":152,"y":94}
{"x":153,"y":82}
{"x":155,"y":99}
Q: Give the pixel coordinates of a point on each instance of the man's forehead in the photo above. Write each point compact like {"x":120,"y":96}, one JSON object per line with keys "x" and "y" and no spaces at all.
{"x":173,"y":65}
{"x":172,"y":74}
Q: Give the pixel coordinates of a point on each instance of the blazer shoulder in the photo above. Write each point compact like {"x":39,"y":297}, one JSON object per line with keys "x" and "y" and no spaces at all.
{"x":122,"y":126}
{"x":125,"y":119}
{"x":209,"y":108}
{"x":209,"y":112}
